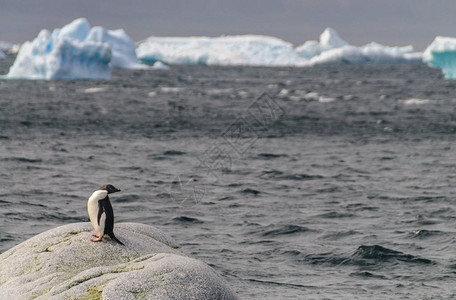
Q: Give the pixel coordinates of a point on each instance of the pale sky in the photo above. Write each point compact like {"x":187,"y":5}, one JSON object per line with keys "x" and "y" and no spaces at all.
{"x":389,"y":22}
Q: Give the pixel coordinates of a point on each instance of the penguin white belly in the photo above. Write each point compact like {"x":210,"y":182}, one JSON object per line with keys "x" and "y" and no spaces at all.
{"x":92,"y":208}
{"x":100,"y":228}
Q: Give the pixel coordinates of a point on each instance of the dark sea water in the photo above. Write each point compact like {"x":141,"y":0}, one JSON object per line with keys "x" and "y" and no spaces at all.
{"x":348,"y":194}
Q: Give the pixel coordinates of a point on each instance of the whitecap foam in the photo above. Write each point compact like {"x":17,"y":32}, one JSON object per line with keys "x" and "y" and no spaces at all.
{"x":93,"y":90}
{"x":215,"y":92}
{"x":416,"y":101}
{"x":312,"y":96}
{"x":171,"y":90}
{"x":324,"y":99}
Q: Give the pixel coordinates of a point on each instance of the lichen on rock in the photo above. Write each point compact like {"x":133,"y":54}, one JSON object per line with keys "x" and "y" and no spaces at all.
{"x":63,"y":263}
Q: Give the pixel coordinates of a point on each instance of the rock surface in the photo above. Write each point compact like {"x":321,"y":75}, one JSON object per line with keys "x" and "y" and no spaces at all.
{"x":63,"y":263}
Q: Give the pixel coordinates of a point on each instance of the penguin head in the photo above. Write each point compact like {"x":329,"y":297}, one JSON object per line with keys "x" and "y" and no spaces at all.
{"x":109,"y":188}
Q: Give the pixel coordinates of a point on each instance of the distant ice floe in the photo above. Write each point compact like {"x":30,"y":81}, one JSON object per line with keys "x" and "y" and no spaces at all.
{"x":7,"y":47}
{"x":158,"y":65}
{"x":441,"y":53}
{"x":76,"y":51}
{"x":258,"y":50}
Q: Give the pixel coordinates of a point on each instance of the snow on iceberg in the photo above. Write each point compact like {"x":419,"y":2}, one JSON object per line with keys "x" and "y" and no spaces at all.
{"x":257,"y":50}
{"x":251,"y":50}
{"x":76,"y":51}
{"x":441,"y":53}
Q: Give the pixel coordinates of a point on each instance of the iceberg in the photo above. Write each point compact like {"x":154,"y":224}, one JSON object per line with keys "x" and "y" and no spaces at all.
{"x":332,"y":49}
{"x":441,"y":53}
{"x":371,"y":53}
{"x":75,"y":51}
{"x":329,"y":39}
{"x":50,"y":57}
{"x":122,"y":47}
{"x":235,"y":50}
{"x":377,"y":53}
{"x":259,"y":50}
{"x":2,"y":55}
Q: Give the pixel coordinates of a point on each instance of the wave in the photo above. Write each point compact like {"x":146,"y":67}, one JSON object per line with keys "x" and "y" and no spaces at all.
{"x":185,"y":219}
{"x":279,"y":175}
{"x":174,"y":152}
{"x":300,"y":177}
{"x":250,"y":191}
{"x":363,"y":256}
{"x":23,"y":159}
{"x":270,"y":155}
{"x":365,"y":274}
{"x":380,"y":254}
{"x":424,"y":234}
{"x":286,"y":230}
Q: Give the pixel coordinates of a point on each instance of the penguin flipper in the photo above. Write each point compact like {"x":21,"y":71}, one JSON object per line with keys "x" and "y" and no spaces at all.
{"x":100,"y":212}
{"x":112,"y":236}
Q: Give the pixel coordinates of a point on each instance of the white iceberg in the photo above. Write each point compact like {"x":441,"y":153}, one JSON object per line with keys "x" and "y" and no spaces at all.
{"x":332,"y":49}
{"x":250,"y":50}
{"x":122,"y":47}
{"x":441,"y":53}
{"x":257,"y":50}
{"x":329,"y":39}
{"x":372,"y":53}
{"x":76,"y":51}
{"x":377,"y":53}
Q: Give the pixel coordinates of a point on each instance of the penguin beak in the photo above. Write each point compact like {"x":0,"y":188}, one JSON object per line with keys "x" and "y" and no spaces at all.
{"x":116,"y":190}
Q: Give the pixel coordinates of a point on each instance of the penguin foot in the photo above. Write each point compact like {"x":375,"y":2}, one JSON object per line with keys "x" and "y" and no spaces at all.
{"x":97,"y":239}
{"x":96,"y":235}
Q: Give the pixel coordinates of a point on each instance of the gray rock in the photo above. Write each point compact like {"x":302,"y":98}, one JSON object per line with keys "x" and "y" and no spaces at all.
{"x":63,"y":263}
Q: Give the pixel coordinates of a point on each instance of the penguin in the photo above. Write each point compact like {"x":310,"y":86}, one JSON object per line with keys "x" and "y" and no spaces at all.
{"x":101,"y":214}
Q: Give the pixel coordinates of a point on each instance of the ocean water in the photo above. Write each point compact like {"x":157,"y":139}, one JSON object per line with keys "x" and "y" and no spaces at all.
{"x":333,"y":182}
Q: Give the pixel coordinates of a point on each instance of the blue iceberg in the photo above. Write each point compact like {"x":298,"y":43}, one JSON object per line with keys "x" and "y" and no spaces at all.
{"x":441,"y":53}
{"x":75,"y":51}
